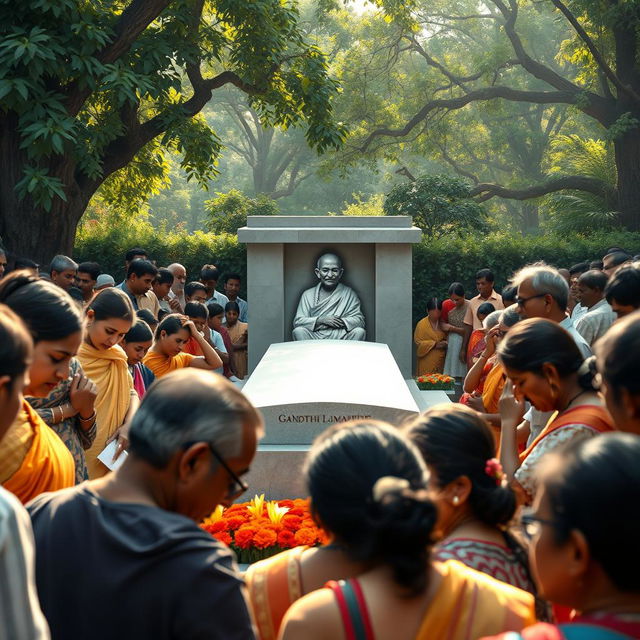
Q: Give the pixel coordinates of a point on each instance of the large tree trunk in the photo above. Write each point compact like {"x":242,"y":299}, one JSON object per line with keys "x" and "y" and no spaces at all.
{"x":28,"y":231}
{"x":627,"y":149}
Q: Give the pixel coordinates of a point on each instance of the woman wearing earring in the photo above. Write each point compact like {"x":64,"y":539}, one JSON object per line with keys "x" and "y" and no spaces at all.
{"x":580,"y":505}
{"x":475,"y":503}
{"x":33,"y":458}
{"x":110,"y":315}
{"x":545,"y":367}
{"x":367,"y":486}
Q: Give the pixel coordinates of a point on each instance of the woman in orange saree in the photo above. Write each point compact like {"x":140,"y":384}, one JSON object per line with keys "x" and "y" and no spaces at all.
{"x":166,"y":354}
{"x":33,"y":459}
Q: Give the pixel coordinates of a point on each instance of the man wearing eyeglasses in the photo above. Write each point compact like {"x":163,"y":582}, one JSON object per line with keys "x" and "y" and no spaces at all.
{"x":123,"y":556}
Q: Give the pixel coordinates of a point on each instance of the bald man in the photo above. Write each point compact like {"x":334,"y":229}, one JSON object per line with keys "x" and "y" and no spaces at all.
{"x":177,"y":288}
{"x":330,"y":310}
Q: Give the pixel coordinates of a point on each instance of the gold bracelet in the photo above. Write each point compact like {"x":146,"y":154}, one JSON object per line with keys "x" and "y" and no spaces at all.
{"x":91,"y":418}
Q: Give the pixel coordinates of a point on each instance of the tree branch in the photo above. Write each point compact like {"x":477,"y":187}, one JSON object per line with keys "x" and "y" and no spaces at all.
{"x":485,"y":93}
{"x":597,"y":56}
{"x":606,"y":109}
{"x":485,"y":191}
{"x":132,"y":22}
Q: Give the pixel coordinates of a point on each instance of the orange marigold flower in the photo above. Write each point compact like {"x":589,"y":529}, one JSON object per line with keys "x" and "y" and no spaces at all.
{"x":264,"y":538}
{"x":286,"y":539}
{"x":306,"y":536}
{"x":234,"y":522}
{"x":244,"y":536}
{"x":224,"y":537}
{"x":291,"y":522}
{"x":286,"y":503}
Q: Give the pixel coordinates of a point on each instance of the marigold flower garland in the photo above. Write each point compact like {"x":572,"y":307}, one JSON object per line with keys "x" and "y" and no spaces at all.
{"x":259,"y":529}
{"x":435,"y":382}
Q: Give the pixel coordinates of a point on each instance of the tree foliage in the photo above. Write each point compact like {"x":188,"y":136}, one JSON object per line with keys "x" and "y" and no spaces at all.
{"x":88,"y":87}
{"x":440,"y":205}
{"x":228,"y":211}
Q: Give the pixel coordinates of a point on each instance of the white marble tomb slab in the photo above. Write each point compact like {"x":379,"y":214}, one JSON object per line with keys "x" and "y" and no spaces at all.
{"x":303,"y":387}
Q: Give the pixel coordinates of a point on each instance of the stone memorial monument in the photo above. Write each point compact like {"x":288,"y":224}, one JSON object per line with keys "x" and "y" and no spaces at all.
{"x":374,"y":260}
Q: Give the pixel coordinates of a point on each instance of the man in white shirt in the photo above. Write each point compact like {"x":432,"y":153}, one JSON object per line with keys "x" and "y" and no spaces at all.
{"x":577,"y":310}
{"x":177,"y":288}
{"x":600,"y":316}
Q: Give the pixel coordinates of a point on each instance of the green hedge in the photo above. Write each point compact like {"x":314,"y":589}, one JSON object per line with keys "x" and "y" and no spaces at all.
{"x":436,"y":262}
{"x":108,"y":245}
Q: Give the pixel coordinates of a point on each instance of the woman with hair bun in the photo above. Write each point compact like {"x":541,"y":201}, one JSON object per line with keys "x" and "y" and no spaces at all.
{"x":585,"y":492}
{"x":110,"y":316}
{"x":367,"y":486}
{"x":545,"y":368}
{"x":33,"y":458}
{"x":475,"y":503}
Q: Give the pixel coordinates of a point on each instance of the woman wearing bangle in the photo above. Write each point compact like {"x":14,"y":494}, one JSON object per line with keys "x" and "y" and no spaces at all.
{"x":69,"y":411}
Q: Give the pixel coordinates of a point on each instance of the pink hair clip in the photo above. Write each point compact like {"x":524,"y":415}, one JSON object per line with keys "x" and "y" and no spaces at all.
{"x":493,"y":469}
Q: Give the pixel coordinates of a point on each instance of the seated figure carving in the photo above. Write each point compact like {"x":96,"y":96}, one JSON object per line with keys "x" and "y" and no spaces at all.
{"x":330,"y":310}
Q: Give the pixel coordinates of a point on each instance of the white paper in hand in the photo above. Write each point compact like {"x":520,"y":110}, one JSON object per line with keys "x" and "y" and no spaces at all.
{"x":106,"y":456}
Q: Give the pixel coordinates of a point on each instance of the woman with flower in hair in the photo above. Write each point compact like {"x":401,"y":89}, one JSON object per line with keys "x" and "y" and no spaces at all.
{"x":368,"y":489}
{"x":475,"y":503}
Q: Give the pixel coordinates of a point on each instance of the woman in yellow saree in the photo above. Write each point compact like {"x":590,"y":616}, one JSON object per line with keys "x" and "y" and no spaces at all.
{"x":368,"y":489}
{"x":33,"y":459}
{"x":109,"y":317}
{"x":431,"y":340}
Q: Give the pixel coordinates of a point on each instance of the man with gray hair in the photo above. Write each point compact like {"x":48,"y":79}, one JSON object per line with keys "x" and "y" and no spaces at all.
{"x":134,"y":532}
{"x":543,"y":293}
{"x":62,"y":271}
{"x":177,"y":288}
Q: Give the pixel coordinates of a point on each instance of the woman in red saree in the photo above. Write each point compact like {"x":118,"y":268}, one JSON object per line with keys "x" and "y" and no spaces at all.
{"x":583,"y":543}
{"x":545,"y":366}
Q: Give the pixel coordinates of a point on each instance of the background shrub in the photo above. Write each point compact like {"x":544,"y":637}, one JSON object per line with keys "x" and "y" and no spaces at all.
{"x":437,"y":262}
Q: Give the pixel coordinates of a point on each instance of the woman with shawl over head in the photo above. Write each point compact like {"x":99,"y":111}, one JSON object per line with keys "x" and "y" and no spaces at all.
{"x":486,"y":379}
{"x":368,"y":489}
{"x":33,"y":458}
{"x":584,"y":539}
{"x":110,"y":315}
{"x":167,"y":355}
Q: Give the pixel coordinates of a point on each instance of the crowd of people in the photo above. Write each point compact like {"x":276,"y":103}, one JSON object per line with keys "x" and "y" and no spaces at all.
{"x":506,"y":515}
